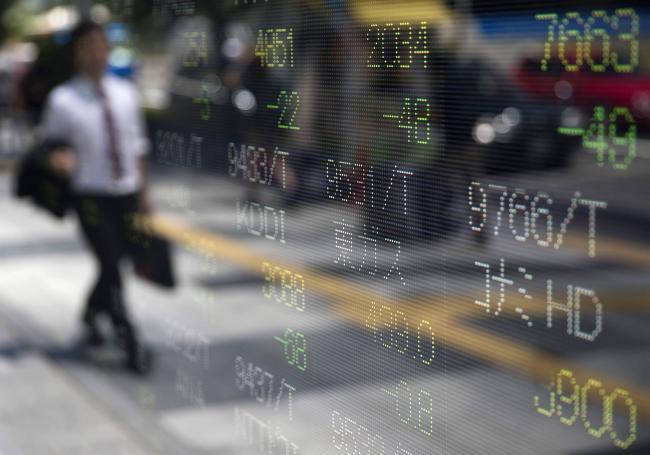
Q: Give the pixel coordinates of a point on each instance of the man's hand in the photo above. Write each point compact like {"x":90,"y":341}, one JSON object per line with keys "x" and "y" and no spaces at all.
{"x":63,"y":161}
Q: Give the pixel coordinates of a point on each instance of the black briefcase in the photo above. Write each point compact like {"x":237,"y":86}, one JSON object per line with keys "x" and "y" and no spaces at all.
{"x":150,"y":253}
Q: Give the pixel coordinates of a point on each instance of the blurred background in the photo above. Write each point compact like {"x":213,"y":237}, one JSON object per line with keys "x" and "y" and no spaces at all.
{"x":411,"y":227}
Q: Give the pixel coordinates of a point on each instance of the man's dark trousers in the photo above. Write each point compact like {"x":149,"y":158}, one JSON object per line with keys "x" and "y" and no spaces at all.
{"x":106,"y":225}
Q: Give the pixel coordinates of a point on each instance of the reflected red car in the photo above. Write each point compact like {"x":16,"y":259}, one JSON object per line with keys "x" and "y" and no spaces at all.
{"x":586,"y":89}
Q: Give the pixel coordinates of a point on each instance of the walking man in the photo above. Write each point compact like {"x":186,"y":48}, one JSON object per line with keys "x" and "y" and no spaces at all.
{"x":99,"y":117}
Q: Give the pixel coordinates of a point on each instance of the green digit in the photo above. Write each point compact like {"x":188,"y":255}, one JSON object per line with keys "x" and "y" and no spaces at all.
{"x":427,"y":354}
{"x":422,"y":120}
{"x":594,"y":136}
{"x":632,"y":418}
{"x":628,"y":140}
{"x":550,"y":38}
{"x":631,"y":37}
{"x":271,"y":57}
{"x":572,"y":398}
{"x":551,"y":402}
{"x":597,"y":385}
{"x":300,"y":352}
{"x":396,"y":36}
{"x":405,"y":119}
{"x":566,"y":34}
{"x":591,"y":34}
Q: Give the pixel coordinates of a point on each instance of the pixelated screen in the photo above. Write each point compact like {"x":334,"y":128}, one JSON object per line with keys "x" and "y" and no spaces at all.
{"x":399,"y":227}
{"x":438,"y":204}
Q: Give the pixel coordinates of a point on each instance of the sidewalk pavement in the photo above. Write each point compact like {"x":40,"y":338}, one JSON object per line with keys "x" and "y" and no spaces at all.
{"x":43,"y":412}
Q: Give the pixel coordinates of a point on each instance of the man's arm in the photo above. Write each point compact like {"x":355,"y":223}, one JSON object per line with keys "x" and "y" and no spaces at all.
{"x":54,"y":126}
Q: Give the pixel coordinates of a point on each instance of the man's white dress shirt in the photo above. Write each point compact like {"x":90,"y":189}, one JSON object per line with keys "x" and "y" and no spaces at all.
{"x":74,"y":113}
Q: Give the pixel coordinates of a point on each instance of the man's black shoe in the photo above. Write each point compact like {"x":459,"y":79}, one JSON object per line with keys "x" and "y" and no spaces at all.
{"x":94,"y":338}
{"x":140,"y":360}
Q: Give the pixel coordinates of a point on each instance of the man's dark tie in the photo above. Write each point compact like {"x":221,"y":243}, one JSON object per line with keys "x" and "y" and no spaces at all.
{"x":113,"y":148}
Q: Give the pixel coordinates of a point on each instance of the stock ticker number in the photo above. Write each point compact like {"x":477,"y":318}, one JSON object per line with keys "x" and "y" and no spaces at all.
{"x":284,"y":286}
{"x":352,"y":438}
{"x":261,"y":386}
{"x":527,"y":216}
{"x":274,"y":47}
{"x":569,"y":401}
{"x":415,"y":119}
{"x":586,"y":33}
{"x":603,"y":135}
{"x":390,"y":328}
{"x":419,"y":415}
{"x":287,"y":105}
{"x":354,"y":184}
{"x":262,"y":436}
{"x":398,"y":45}
{"x":295,"y":348}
